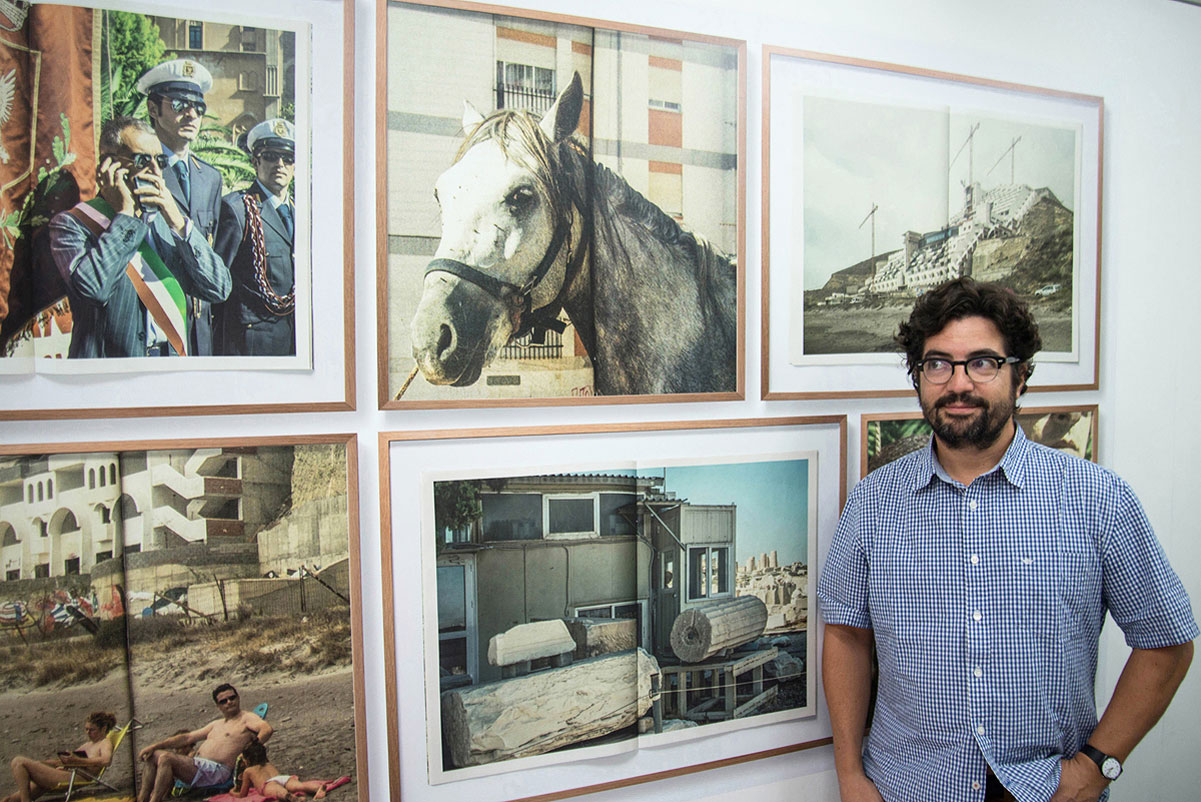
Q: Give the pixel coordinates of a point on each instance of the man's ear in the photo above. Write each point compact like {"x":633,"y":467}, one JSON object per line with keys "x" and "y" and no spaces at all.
{"x":151,"y":110}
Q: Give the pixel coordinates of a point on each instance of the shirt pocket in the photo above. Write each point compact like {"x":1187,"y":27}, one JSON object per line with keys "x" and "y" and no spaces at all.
{"x":1034,"y":584}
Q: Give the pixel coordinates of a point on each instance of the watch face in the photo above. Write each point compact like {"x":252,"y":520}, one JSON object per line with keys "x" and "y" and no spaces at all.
{"x":1111,"y":768}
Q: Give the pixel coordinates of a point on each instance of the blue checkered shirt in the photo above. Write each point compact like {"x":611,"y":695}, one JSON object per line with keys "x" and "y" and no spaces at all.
{"x":986,"y":604}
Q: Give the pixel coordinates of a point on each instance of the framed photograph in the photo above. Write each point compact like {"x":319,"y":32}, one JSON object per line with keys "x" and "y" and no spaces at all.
{"x":561,"y":209}
{"x":882,"y":181}
{"x":157,"y":199}
{"x":593,"y":622}
{"x":888,"y":436}
{"x":183,"y":595}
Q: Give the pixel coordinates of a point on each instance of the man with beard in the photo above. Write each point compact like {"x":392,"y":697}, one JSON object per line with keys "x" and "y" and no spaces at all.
{"x":981,"y":569}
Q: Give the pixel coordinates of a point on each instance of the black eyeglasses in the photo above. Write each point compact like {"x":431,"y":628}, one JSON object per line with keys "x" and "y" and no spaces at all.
{"x":141,"y":161}
{"x":277,"y":155}
{"x":980,"y":369}
{"x":179,"y":104}
{"x":227,"y":700}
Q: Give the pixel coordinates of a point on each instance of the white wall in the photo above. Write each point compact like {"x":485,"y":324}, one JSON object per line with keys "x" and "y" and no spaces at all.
{"x":1140,"y":55}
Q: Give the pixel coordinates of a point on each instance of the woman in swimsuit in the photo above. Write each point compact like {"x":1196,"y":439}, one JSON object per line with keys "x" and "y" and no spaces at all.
{"x":36,"y":777}
{"x":262,"y":775}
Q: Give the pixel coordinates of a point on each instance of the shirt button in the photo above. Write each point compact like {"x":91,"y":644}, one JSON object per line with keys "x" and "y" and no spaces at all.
{"x":976,"y":785}
{"x":975,"y":559}
{"x":980,"y":730}
{"x":978,"y":673}
{"x":971,"y":505}
{"x":976,"y":616}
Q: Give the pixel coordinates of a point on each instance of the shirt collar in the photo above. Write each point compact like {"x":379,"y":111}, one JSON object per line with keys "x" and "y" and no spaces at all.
{"x":1012,"y":464}
{"x":274,"y":201}
{"x":174,"y":158}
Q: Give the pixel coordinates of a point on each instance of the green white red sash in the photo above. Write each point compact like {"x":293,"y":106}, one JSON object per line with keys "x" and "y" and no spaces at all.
{"x":156,"y":286}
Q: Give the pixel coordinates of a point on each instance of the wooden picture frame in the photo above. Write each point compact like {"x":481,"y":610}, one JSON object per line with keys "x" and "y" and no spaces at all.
{"x":683,"y":149}
{"x":127,"y":566}
{"x":414,"y":464}
{"x":1071,"y":428}
{"x":902,"y":126}
{"x":321,"y":375}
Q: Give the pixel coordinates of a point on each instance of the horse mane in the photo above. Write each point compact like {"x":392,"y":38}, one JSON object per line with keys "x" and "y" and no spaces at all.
{"x":567,"y":175}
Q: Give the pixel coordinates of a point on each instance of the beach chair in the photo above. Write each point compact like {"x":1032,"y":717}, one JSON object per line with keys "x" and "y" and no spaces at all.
{"x":180,"y":788}
{"x":82,"y":778}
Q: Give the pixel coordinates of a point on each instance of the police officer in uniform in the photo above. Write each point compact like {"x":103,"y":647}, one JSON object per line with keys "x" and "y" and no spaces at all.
{"x":255,"y":238}
{"x":175,"y":102}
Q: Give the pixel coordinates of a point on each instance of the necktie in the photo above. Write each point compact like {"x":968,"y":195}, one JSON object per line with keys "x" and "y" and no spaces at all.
{"x":285,"y":213}
{"x":185,"y":181}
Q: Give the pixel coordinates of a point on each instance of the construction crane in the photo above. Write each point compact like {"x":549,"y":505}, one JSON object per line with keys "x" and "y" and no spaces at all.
{"x":967,"y":143}
{"x":872,"y":216}
{"x":1011,"y":152}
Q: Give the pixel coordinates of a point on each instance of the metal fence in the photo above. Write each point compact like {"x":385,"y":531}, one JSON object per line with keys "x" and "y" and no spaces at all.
{"x":523,"y":348}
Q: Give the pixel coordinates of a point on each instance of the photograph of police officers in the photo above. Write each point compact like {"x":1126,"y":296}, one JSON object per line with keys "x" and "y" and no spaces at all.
{"x":168,"y":211}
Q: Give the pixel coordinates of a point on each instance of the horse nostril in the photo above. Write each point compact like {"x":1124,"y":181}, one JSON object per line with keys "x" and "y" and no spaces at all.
{"x":446,"y":341}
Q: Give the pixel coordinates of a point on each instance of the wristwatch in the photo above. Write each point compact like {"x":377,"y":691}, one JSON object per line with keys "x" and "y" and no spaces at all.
{"x":1111,"y":767}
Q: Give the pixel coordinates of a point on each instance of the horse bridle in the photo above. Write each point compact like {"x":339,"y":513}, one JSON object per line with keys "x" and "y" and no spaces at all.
{"x":539,"y":320}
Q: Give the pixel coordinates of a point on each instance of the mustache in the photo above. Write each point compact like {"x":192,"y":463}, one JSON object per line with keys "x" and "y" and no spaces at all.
{"x":966,"y":399}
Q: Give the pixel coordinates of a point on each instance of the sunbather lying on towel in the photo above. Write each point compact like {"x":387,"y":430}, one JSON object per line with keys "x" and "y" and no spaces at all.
{"x":262,"y":775}
{"x":36,"y":777}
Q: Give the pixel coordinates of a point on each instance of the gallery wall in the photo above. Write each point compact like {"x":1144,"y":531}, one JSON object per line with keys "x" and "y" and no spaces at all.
{"x":1140,"y":55}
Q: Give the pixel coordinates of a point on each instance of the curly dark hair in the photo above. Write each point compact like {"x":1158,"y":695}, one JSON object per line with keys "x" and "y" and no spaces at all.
{"x":103,"y":720}
{"x":966,"y":297}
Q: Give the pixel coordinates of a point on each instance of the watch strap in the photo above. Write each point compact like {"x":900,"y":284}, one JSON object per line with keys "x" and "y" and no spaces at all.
{"x":1100,"y":758}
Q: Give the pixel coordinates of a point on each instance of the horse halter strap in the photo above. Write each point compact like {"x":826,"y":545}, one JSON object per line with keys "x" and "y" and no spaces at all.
{"x":544,"y":317}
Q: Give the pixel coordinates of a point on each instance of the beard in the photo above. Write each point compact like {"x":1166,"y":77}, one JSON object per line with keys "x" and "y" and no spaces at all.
{"x":977,"y":431}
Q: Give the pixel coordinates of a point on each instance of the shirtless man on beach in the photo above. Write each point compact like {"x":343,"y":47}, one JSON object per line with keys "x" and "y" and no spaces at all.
{"x":213,"y":763}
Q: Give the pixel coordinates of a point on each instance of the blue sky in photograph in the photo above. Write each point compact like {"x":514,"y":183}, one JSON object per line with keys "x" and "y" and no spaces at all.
{"x":772,"y":499}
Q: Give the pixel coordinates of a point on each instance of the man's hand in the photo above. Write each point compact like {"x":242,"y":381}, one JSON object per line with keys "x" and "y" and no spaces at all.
{"x":110,"y":183}
{"x":1080,"y":780}
{"x":858,"y":789}
{"x":151,"y":191}
{"x":147,"y":752}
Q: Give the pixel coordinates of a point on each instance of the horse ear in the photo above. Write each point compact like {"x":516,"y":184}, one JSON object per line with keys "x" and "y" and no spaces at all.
{"x":471,"y":117}
{"x":561,"y":119}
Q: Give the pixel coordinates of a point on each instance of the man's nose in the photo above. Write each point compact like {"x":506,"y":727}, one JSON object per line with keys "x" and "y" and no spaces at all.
{"x":959,"y":380}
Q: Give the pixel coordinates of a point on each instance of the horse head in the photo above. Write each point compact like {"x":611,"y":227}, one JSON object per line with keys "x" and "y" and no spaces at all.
{"x":510,"y":211}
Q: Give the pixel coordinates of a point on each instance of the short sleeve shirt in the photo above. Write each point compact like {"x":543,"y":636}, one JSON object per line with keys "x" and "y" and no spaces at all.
{"x":987,"y":603}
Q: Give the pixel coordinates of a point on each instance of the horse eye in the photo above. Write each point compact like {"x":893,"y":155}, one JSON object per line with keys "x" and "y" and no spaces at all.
{"x":520,"y":198}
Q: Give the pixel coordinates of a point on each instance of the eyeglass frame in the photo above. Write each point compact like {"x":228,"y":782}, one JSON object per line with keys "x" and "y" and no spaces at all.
{"x":273,"y":155}
{"x":919,"y":367}
{"x":147,"y":159}
{"x":227,"y":700}
{"x":181,"y":104}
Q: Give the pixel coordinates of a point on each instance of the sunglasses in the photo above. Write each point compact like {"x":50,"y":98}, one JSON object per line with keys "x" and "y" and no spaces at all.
{"x":277,"y":155}
{"x":180,"y":105}
{"x":141,"y":161}
{"x":227,"y":700}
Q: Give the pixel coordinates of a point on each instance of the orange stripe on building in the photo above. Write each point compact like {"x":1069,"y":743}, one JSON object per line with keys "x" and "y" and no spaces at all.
{"x":526,"y":36}
{"x":581,"y":48}
{"x":666,"y":63}
{"x":665,"y":128}
{"x":671,"y":168}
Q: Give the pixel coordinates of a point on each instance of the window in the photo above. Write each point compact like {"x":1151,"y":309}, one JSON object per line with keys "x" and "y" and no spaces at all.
{"x":247,"y":81}
{"x":106,"y":515}
{"x":43,"y":530}
{"x":29,"y":494}
{"x":456,"y":618}
{"x":112,"y":474}
{"x":250,"y":39}
{"x":91,"y":478}
{"x":41,"y":571}
{"x":665,"y":105}
{"x":196,"y":35}
{"x":71,"y":566}
{"x":41,"y":492}
{"x":708,"y":572}
{"x":667,"y":567}
{"x":511,"y":516}
{"x":49,"y":488}
{"x":101,"y":556}
{"x":103,"y":479}
{"x":133,"y":548}
{"x":12,"y":574}
{"x":524,"y":86}
{"x":571,"y":516}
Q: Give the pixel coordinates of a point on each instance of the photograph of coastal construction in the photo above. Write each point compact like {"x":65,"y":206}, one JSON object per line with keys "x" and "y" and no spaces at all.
{"x":594,"y":608}
{"x":898,"y":199}
{"x":148,"y":594}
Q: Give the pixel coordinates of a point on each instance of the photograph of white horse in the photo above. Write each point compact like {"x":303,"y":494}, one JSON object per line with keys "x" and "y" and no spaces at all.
{"x":547,"y":235}
{"x":530,"y":225}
